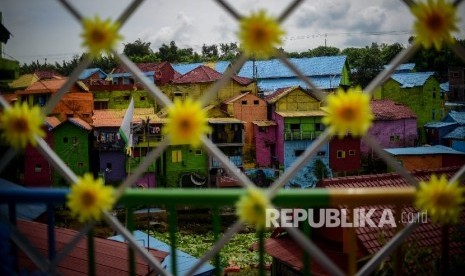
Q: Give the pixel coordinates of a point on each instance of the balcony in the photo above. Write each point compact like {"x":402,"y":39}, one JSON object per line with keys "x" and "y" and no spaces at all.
{"x":291,"y":135}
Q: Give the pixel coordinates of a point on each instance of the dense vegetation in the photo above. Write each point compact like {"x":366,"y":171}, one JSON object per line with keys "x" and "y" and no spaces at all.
{"x":365,"y":62}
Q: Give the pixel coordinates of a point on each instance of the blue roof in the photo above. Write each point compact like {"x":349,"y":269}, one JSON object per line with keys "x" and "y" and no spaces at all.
{"x":183,"y":68}
{"x":185,"y":261}
{"x":322,"y":82}
{"x":88,"y":72}
{"x":406,"y":67}
{"x":129,"y":74}
{"x":456,"y":116}
{"x":274,"y":68}
{"x":444,"y":87}
{"x":409,"y":80}
{"x":23,"y":211}
{"x":437,"y":149}
{"x":458,"y":133}
{"x":439,"y":124}
{"x":221,"y":66}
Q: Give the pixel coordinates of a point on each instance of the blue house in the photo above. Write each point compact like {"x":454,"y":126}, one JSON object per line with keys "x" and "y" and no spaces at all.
{"x":455,"y":117}
{"x":184,"y":261}
{"x":456,"y":139}
{"x":92,"y":74}
{"x":435,"y":132}
{"x":327,"y":73}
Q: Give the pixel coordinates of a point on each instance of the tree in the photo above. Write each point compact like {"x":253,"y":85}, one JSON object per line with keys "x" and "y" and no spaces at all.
{"x":229,"y":51}
{"x":388,"y":52}
{"x":137,"y":49}
{"x":210,"y":53}
{"x":169,"y":53}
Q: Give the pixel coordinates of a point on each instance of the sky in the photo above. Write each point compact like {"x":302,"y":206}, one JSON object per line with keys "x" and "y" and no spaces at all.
{"x":44,"y":30}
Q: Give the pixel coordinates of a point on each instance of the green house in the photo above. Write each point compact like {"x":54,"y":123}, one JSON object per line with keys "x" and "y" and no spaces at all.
{"x":186,"y":167}
{"x":72,"y":142}
{"x":419,"y":91}
{"x":119,"y":99}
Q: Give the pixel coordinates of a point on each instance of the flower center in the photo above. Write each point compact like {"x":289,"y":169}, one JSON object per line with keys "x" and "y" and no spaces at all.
{"x":260,"y":34}
{"x":97,"y":36}
{"x":88,"y":199}
{"x":443,"y":200}
{"x":20,"y":125}
{"x":185,"y":125}
{"x":435,"y":22}
{"x":348,"y":113}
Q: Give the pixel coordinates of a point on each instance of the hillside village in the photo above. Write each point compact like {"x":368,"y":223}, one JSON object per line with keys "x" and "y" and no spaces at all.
{"x":262,"y":119}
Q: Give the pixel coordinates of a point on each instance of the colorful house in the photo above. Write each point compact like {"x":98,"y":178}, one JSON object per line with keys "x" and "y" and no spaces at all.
{"x":420,"y":92}
{"x":456,"y":139}
{"x":456,"y":84}
{"x":395,"y":125}
{"x":327,"y":73}
{"x":76,"y":102}
{"x":92,"y":75}
{"x":265,"y":143}
{"x":159,"y":73}
{"x":247,"y":107}
{"x":72,"y":143}
{"x":430,"y":157}
{"x":344,"y":155}
{"x":435,"y":132}
{"x":37,"y":169}
{"x":198,"y":81}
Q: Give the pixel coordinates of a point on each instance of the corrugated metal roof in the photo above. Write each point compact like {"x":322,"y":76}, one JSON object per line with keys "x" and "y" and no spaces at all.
{"x":436,"y":149}
{"x":23,"y":81}
{"x":409,"y":80}
{"x":321,"y":82}
{"x":80,"y":123}
{"x":264,"y":123}
{"x":406,"y":67}
{"x":224,"y":121}
{"x":184,"y":261}
{"x":444,"y":87}
{"x":439,"y":124}
{"x":88,"y":72}
{"x":458,"y":117}
{"x":458,"y":133}
{"x":313,"y":113}
{"x":222,"y":65}
{"x":183,"y":68}
{"x":274,"y":68}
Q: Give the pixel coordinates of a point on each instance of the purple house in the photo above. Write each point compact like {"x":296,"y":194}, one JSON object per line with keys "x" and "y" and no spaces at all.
{"x":265,"y":143}
{"x":394,"y":126}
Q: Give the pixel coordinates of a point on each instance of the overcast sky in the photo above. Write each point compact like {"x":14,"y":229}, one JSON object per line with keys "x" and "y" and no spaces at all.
{"x":43,"y":29}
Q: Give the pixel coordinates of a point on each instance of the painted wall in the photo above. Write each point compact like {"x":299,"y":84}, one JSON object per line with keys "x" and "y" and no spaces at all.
{"x":265,"y":145}
{"x":180,"y":160}
{"x":344,"y":154}
{"x":119,"y":99}
{"x":247,"y":109}
{"x":37,"y":170}
{"x":424,"y":101}
{"x":297,"y":100}
{"x":71,"y":144}
{"x":434,"y":135}
{"x":414,"y":162}
{"x":458,"y":145}
{"x":112,"y":165}
{"x":386,"y":133}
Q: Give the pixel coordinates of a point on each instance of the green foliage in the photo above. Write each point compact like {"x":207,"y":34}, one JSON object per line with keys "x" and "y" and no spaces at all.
{"x":236,"y":252}
{"x":137,"y":49}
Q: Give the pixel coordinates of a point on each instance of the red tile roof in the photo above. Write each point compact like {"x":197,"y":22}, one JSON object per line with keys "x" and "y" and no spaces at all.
{"x":426,"y":235}
{"x":200,"y":74}
{"x":42,"y":75}
{"x":111,"y":257}
{"x":390,"y":110}
{"x":114,"y":117}
{"x":51,"y":86}
{"x":52,"y":121}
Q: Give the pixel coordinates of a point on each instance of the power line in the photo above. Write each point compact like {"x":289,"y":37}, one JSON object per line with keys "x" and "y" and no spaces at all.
{"x":318,"y":35}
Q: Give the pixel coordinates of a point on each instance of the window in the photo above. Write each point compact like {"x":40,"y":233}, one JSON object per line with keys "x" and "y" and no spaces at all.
{"x":38,"y":168}
{"x":142,"y":98}
{"x":433,"y":114}
{"x":455,"y":74}
{"x":125,"y":80}
{"x":126,"y":98}
{"x":321,"y":153}
{"x":244,"y":102}
{"x":41,"y":100}
{"x":109,"y":166}
{"x":261,"y":129}
{"x":256,"y":102}
{"x":319,"y":127}
{"x":352,"y":152}
{"x":298,"y":153}
{"x":434,"y":95}
{"x":198,"y":152}
{"x":341,"y":154}
{"x":295,"y":127}
{"x":80,"y":164}
{"x":74,"y":140}
{"x":65,"y":140}
{"x":394,"y":138}
{"x":176,"y":156}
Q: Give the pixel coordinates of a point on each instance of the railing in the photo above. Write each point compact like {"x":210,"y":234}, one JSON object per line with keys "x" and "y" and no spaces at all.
{"x":290,"y":135}
{"x":235,"y":160}
{"x":213,"y":199}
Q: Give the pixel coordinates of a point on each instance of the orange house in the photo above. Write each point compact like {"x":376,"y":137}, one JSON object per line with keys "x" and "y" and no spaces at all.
{"x":78,"y":101}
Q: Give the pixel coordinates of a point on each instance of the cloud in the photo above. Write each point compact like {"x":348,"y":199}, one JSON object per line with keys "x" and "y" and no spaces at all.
{"x":322,"y":14}
{"x":369,"y":19}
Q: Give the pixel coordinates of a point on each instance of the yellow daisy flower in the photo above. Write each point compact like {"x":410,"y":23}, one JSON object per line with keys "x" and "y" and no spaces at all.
{"x":251,"y":207}
{"x":99,"y":35}
{"x":348,"y":112}
{"x":441,"y":200}
{"x":435,"y":21}
{"x":187,"y":122}
{"x":20,"y":124}
{"x":89,"y":197}
{"x":259,"y":35}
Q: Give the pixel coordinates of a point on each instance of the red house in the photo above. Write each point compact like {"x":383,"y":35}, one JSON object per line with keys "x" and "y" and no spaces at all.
{"x":344,"y":155}
{"x":37,"y":170}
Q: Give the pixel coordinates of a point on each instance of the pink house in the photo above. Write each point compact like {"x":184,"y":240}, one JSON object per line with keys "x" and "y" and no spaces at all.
{"x":265,"y":143}
{"x":394,"y":126}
